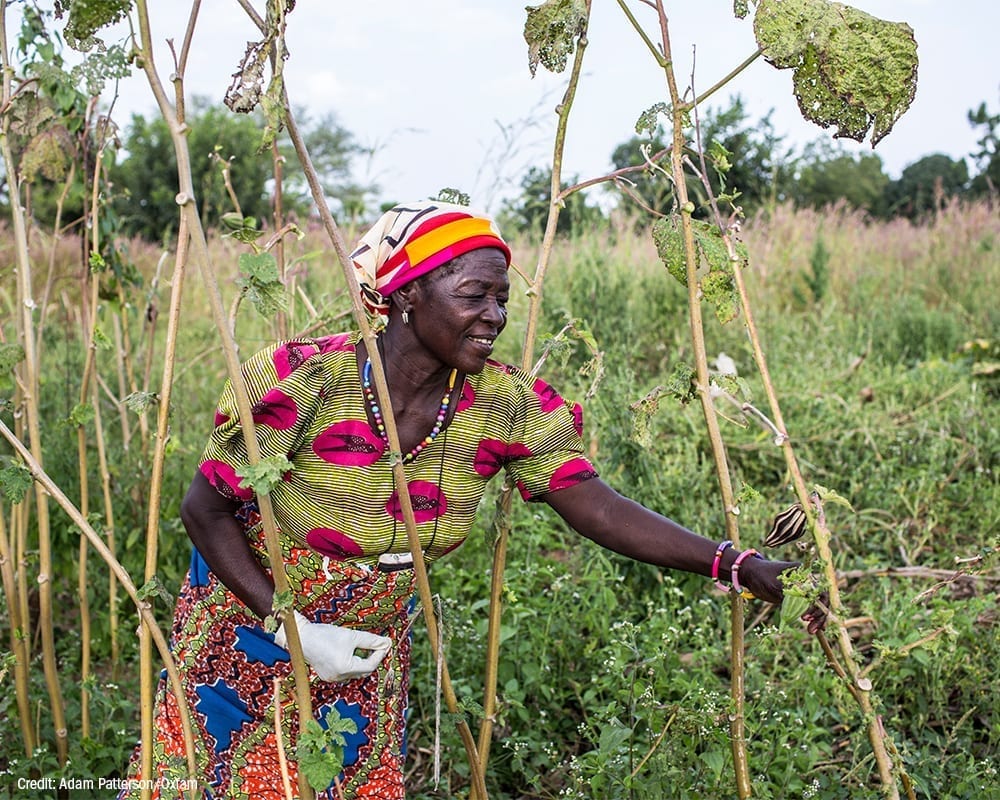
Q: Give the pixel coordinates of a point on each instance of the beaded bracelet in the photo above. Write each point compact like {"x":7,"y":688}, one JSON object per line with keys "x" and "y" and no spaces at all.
{"x":717,"y":562}
{"x":735,"y":570}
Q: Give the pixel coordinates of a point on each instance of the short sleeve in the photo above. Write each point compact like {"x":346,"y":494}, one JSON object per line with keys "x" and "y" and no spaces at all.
{"x":547,"y":453}
{"x":285,"y":382}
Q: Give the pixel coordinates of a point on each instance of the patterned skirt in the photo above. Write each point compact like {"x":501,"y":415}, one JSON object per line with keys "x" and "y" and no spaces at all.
{"x":228,"y":666}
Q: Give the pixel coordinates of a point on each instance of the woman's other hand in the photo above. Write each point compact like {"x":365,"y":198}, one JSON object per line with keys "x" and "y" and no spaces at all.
{"x":762,"y":579}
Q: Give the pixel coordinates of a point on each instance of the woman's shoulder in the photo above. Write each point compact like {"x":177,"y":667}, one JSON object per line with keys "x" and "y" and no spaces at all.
{"x":287,"y":356}
{"x":507,"y":379}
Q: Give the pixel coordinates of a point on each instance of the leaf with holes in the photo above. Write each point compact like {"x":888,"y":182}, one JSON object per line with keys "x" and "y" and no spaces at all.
{"x":551,"y":30}
{"x":851,"y":69}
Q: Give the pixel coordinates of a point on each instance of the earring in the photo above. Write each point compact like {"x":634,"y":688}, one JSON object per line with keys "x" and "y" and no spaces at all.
{"x":406,"y":317}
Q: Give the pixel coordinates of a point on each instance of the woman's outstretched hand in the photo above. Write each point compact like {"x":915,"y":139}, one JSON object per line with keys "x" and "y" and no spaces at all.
{"x":761,"y":577}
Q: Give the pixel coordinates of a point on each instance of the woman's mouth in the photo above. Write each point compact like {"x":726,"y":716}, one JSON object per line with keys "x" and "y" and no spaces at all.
{"x":485,"y":342}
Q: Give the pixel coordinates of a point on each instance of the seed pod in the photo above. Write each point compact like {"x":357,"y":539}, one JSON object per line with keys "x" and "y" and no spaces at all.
{"x":788,"y":526}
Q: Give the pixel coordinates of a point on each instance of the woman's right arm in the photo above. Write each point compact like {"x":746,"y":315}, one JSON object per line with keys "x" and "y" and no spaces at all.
{"x":210,"y":520}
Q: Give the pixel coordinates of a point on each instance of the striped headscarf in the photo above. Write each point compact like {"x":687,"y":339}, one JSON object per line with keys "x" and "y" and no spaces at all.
{"x":411,"y":240}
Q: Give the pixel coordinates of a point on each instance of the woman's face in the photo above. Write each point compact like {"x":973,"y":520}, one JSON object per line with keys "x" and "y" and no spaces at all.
{"x":460,"y":309}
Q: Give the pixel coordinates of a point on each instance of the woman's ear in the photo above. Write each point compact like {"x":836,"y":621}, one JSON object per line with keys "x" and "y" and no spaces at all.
{"x":403,"y":297}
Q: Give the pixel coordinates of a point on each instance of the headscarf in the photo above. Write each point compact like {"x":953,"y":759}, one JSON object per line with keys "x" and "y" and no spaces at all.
{"x":411,"y":240}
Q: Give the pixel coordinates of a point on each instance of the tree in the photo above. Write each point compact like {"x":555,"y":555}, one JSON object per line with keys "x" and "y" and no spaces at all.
{"x":925,"y":185}
{"x":54,"y":131}
{"x":987,"y":158}
{"x":332,"y":149}
{"x":145,"y":181}
{"x":224,"y":145}
{"x":529,"y":211}
{"x":741,"y":156}
{"x":828,"y":174}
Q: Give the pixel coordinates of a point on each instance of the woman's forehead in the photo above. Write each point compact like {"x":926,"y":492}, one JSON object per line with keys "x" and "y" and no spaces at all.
{"x":485,"y":265}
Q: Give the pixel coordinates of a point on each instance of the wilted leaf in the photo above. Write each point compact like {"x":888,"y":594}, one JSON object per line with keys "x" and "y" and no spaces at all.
{"x":247,"y":88}
{"x":154,"y":588}
{"x":261,"y":283}
{"x":649,"y":120}
{"x":851,"y":69}
{"x":87,"y":17}
{"x":449,"y":195}
{"x":47,"y":155}
{"x":551,"y":31}
{"x":138,"y":402}
{"x":715,"y":268}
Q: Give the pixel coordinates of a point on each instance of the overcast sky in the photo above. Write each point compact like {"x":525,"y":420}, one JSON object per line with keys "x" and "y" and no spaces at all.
{"x":441,"y":92}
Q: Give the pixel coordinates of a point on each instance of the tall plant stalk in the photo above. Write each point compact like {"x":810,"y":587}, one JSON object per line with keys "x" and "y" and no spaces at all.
{"x":849,"y":671}
{"x":847,"y":667}
{"x":199,"y":251}
{"x":146,"y":677}
{"x":535,"y":291}
{"x":29,"y":384}
{"x":399,"y":473}
{"x":18,"y":638}
{"x":679,"y":109}
{"x":89,"y":323}
{"x":45,"y":483}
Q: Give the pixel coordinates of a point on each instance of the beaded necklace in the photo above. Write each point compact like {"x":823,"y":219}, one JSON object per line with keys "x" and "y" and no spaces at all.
{"x":366,"y":385}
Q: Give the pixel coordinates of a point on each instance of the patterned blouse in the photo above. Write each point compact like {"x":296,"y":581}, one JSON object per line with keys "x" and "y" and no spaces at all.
{"x":339,"y":497}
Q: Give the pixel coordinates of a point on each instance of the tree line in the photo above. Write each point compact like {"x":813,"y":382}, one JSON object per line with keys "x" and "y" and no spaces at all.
{"x":62,"y":139}
{"x":752,"y":156}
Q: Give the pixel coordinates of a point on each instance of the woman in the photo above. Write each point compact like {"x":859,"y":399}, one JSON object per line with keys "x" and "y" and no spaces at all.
{"x":439,"y":273}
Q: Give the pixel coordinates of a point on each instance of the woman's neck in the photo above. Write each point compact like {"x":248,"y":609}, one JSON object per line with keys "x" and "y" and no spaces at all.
{"x":410,"y":372}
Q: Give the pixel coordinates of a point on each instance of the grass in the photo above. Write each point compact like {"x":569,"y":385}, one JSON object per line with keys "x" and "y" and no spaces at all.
{"x":614,"y":675}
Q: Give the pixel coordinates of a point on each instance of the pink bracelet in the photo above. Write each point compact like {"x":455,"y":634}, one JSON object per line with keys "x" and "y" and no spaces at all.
{"x":717,"y":562}
{"x":735,"y":570}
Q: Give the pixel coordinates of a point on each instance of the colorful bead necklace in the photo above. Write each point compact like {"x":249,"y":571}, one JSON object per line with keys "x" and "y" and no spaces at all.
{"x":366,"y":385}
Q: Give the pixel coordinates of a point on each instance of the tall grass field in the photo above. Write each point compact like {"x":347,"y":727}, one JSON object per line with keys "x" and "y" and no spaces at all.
{"x":883,"y":341}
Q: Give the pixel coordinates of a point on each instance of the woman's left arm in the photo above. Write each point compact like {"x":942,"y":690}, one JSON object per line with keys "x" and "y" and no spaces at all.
{"x":597,"y":511}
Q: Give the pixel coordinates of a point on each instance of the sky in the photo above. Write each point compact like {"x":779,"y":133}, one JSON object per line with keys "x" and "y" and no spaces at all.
{"x":440,"y":93}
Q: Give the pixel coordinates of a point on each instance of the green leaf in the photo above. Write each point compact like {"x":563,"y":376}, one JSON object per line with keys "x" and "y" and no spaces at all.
{"x":720,"y":290}
{"x":830,"y":496}
{"x":15,"y":480}
{"x":320,"y":751}
{"x":101,"y":341}
{"x":261,"y":283}
{"x":263,"y":476}
{"x":281,"y":601}
{"x":81,"y":414}
{"x":613,"y":736}
{"x":10,"y":356}
{"x":551,"y":30}
{"x":851,"y":69}
{"x":138,"y":402}
{"x":154,"y":588}
{"x":97,"y":263}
